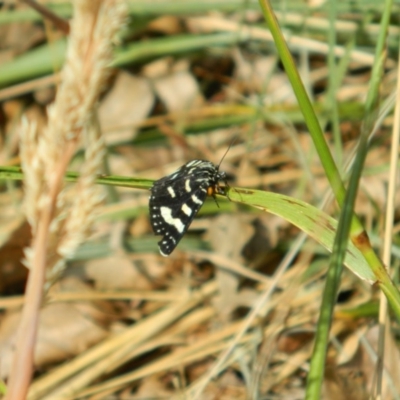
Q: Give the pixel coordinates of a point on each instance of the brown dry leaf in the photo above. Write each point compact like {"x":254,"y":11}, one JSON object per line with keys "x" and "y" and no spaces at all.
{"x":121,"y":166}
{"x":12,"y":111}
{"x":64,"y":332}
{"x":21,"y":37}
{"x":228,"y":387}
{"x":339,"y":385}
{"x":347,"y":380}
{"x":292,"y":341}
{"x":65,"y":329}
{"x":114,"y":272}
{"x":15,"y":235}
{"x":153,"y":387}
{"x":158,"y":68}
{"x":245,"y":169}
{"x":11,"y":217}
{"x":129,"y":102}
{"x":178,"y":90}
{"x":373,"y":187}
{"x":167,"y":24}
{"x":259,"y":75}
{"x":45,"y":95}
{"x":120,"y":272}
{"x":253,"y":73}
{"x":350,"y":347}
{"x":228,"y":236}
{"x":273,"y":225}
{"x":140,"y":226}
{"x":373,"y":195}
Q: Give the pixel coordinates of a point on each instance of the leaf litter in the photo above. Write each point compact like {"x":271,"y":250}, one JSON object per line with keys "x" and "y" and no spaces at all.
{"x":133,"y":324}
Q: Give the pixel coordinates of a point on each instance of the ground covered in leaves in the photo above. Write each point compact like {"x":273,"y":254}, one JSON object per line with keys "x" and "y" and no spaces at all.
{"x":231,"y":314}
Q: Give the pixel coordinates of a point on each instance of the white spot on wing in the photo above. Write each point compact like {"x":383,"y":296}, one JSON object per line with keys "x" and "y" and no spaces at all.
{"x":196,"y":199}
{"x":171,"y":191}
{"x":187,"y":186}
{"x":186,"y":209}
{"x":163,"y":254}
{"x":193,"y":162}
{"x":169,"y":219}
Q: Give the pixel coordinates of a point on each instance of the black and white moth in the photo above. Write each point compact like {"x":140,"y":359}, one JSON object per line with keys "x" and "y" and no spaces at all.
{"x":176,"y":199}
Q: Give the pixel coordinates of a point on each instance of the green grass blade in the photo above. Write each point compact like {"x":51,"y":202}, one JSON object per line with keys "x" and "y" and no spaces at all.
{"x":317,"y":366}
{"x":47,"y":58}
{"x":174,"y":45}
{"x":15,"y":173}
{"x":39,"y":61}
{"x":306,"y":107}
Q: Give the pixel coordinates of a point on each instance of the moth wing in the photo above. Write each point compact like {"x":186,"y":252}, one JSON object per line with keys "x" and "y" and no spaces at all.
{"x":174,"y":202}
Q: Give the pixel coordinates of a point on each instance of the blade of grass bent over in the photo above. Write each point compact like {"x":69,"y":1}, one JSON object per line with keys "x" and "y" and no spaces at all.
{"x":316,"y":223}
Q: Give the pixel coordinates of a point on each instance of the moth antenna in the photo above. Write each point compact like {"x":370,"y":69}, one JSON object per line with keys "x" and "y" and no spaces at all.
{"x":226,"y":152}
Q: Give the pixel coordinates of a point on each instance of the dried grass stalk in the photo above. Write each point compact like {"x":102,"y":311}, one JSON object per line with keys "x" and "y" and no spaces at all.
{"x":45,"y":158}
{"x":59,"y":224}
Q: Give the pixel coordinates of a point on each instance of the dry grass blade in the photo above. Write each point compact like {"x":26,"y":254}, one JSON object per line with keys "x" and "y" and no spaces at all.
{"x":59,"y":225}
{"x":77,"y":372}
{"x":45,"y":160}
{"x":388,"y":234}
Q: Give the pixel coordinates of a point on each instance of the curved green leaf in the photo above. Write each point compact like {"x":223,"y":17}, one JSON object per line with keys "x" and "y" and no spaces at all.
{"x":314,"y":222}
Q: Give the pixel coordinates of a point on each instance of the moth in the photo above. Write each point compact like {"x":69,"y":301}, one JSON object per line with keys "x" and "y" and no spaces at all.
{"x":177,"y":198}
